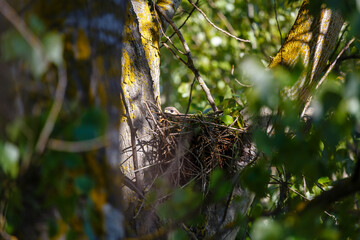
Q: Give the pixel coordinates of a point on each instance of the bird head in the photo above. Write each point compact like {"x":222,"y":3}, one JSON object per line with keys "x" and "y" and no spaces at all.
{"x":172,"y":111}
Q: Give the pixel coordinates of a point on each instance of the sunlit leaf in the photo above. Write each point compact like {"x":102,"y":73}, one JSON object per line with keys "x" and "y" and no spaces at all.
{"x":227,"y":119}
{"x":38,"y":62}
{"x":9,"y":158}
{"x":53,"y":46}
{"x":266,"y":229}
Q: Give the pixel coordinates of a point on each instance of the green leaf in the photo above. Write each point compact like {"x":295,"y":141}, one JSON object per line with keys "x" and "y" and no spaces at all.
{"x":227,"y":119}
{"x":13,"y":130}
{"x":53,"y":46}
{"x":38,"y":63}
{"x":36,"y":25}
{"x":9,"y":159}
{"x":266,"y":229}
{"x":84,"y":184}
{"x":13,"y":46}
{"x":256,"y":210}
{"x":324,"y":180}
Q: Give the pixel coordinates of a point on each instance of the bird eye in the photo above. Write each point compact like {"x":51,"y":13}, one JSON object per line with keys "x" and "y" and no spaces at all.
{"x":172,"y":111}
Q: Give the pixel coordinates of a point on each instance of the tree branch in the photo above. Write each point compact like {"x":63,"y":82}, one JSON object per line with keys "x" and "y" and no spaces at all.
{"x":77,"y":146}
{"x":190,"y":62}
{"x":307,"y":105}
{"x":343,"y":188}
{"x":133,"y":139}
{"x":221,"y":16}
{"x":340,"y":190}
{"x":187,"y":18}
{"x":216,"y":27}
{"x":54,"y":112}
{"x":334,"y":63}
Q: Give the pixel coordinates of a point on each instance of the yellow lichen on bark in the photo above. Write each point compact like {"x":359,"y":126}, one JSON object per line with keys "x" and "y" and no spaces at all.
{"x":83,"y":48}
{"x":142,"y":19}
{"x":128,"y":70}
{"x":312,"y":38}
{"x":166,"y":5}
{"x":296,"y":42}
{"x":149,"y":30}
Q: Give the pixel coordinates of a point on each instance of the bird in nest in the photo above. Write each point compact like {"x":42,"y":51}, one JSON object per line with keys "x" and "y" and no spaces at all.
{"x":175,"y":112}
{"x":172,"y":111}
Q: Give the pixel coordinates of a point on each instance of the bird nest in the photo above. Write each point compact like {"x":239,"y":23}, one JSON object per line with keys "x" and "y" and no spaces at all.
{"x":190,"y":146}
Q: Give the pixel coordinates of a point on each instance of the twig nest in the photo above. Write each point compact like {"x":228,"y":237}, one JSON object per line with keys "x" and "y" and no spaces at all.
{"x":189,"y":147}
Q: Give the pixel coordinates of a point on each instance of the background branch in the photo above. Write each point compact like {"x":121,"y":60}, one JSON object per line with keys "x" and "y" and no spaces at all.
{"x":54,"y":112}
{"x":216,"y":27}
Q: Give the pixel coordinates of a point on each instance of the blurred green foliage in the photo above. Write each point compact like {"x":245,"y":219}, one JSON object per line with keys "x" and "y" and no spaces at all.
{"x":54,"y":193}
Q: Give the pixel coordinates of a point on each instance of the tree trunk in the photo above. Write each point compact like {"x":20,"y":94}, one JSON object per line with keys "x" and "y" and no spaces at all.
{"x":140,"y":86}
{"x":312,"y":38}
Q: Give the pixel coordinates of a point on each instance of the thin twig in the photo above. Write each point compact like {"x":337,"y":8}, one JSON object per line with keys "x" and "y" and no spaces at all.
{"x":131,"y":185}
{"x":354,"y":56}
{"x":167,"y":38}
{"x":163,"y":32}
{"x":240,"y":83}
{"x":214,"y":124}
{"x":187,"y":18}
{"x":173,"y":53}
{"x":222,"y":17}
{"x":190,"y":97}
{"x":190,"y":62}
{"x":189,"y":232}
{"x":279,"y":29}
{"x":155,"y":122}
{"x":334,"y":63}
{"x":152,"y":165}
{"x":54,"y":112}
{"x":216,"y":27}
{"x":338,"y":43}
{"x":77,"y":146}
{"x":341,"y":189}
{"x":133,"y":139}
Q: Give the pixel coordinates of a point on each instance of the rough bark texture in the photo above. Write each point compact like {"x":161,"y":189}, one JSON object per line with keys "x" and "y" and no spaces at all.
{"x":140,"y":85}
{"x":140,"y":75}
{"x":312,"y":38}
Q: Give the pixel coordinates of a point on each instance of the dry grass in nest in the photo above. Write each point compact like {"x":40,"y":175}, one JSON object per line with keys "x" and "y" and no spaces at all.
{"x":190,"y":147}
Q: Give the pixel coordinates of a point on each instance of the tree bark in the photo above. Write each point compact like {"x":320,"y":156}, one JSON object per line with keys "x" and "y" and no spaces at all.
{"x":312,"y":38}
{"x":140,"y":85}
{"x":140,"y":80}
